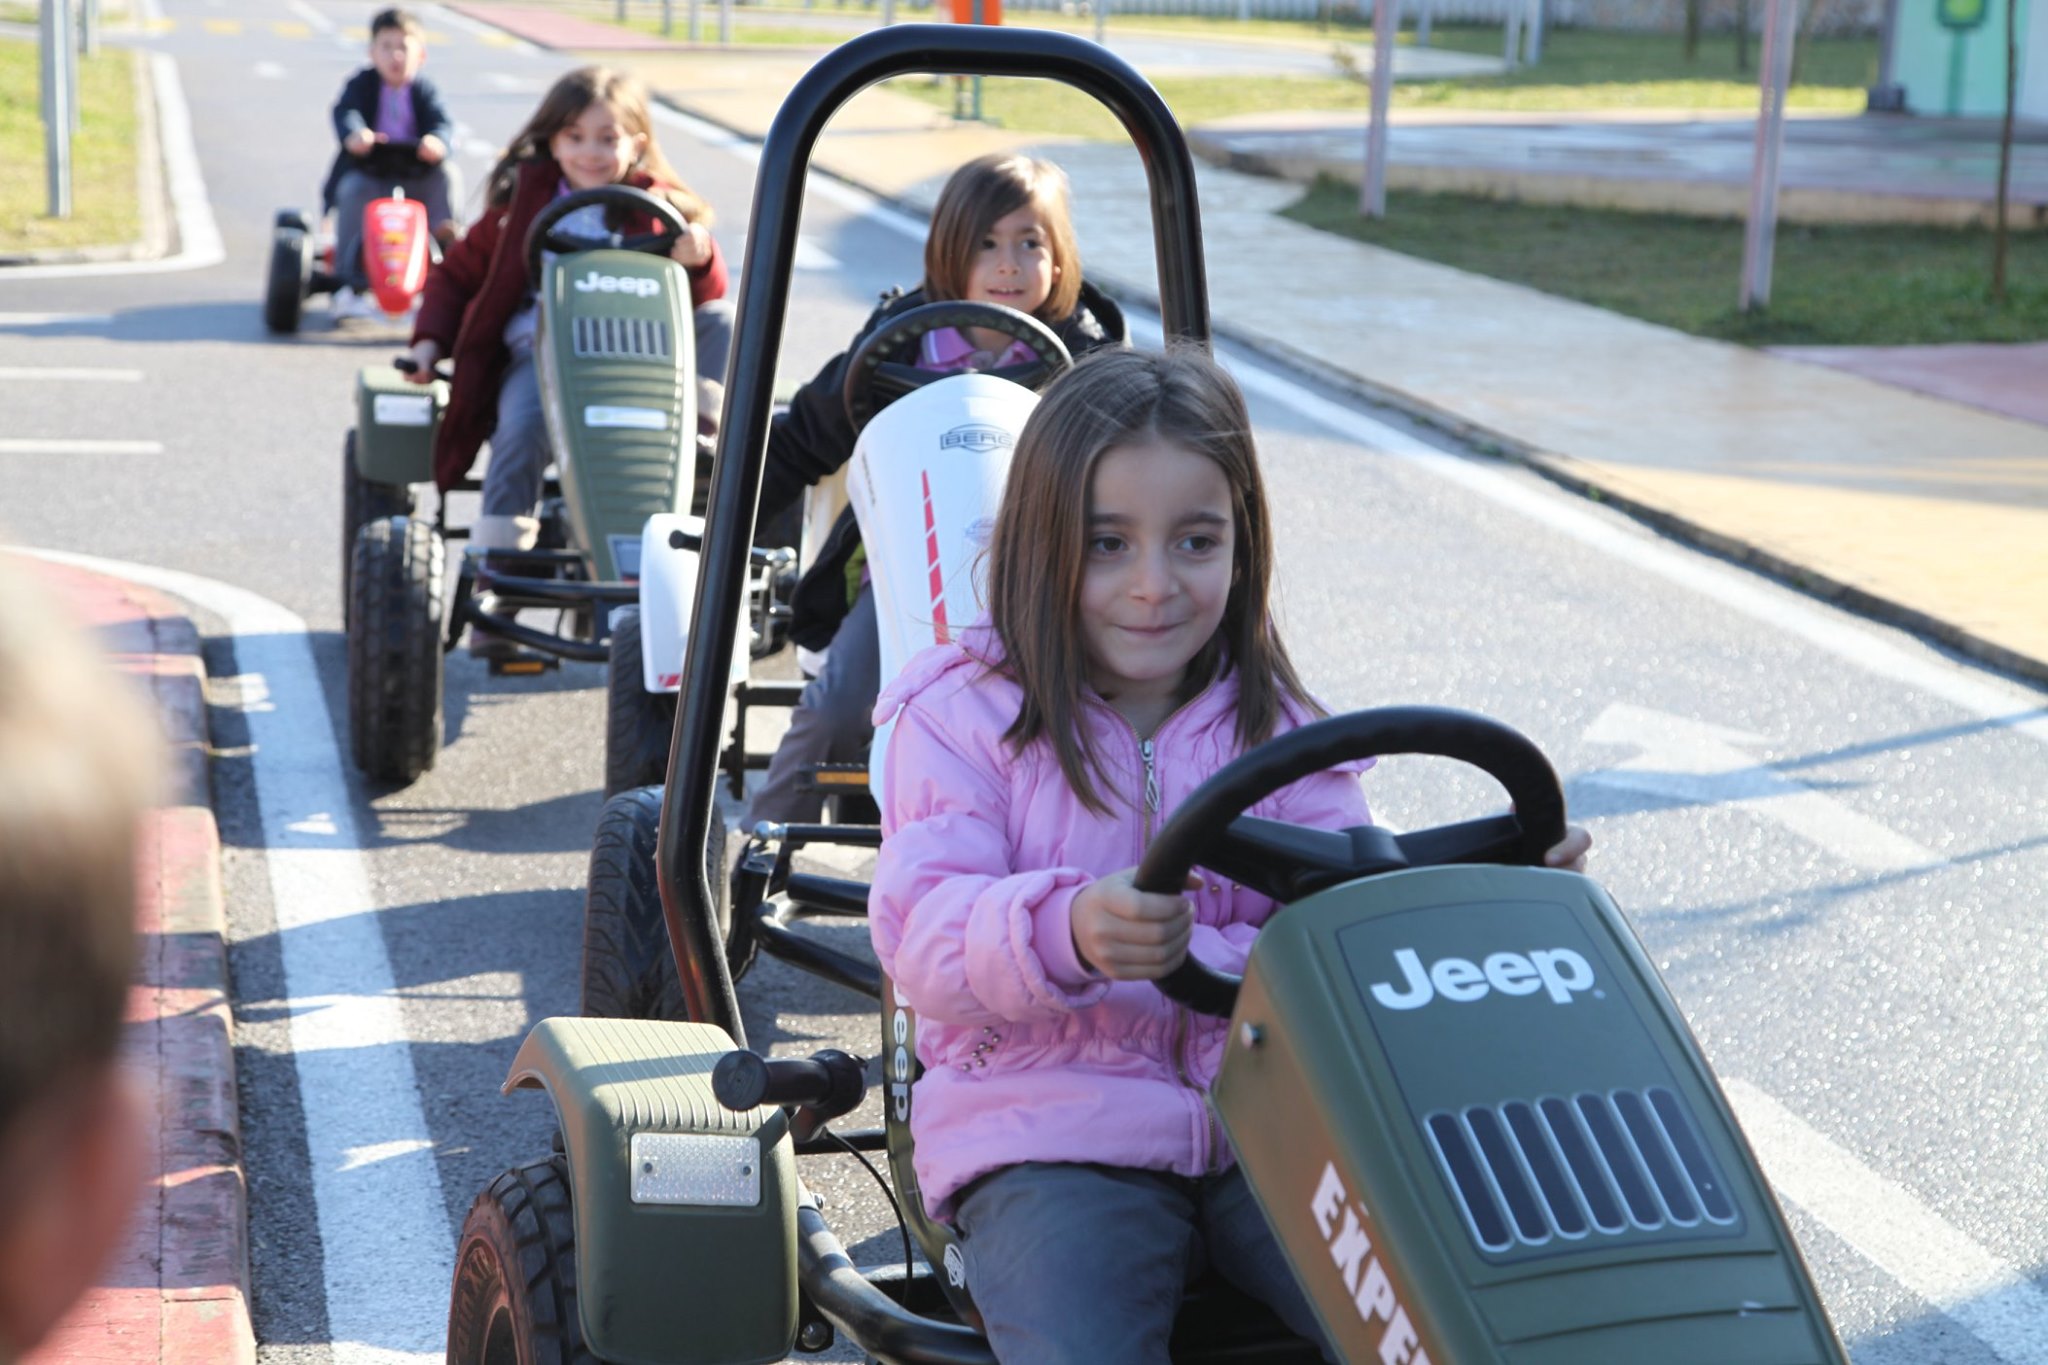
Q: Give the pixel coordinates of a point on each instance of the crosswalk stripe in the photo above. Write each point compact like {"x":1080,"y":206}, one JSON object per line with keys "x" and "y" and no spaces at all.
{"x":39,"y":373}
{"x":65,"y":447}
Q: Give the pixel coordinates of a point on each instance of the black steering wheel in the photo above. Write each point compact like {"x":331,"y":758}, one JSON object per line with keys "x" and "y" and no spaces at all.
{"x":1287,"y":861}
{"x":543,"y":236}
{"x":874,"y":380}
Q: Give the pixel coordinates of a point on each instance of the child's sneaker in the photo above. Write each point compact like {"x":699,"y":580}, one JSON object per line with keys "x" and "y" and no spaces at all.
{"x":349,"y":303}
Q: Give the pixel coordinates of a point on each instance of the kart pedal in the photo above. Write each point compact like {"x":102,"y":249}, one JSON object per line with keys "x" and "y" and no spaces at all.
{"x":833,"y":777}
{"x":525,"y":663}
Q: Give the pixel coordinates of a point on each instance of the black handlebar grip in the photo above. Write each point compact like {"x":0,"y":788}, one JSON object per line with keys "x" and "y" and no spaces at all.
{"x":743,"y":1080}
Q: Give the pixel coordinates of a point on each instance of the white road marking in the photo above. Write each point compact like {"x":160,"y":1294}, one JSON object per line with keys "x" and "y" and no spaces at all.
{"x":512,"y":85}
{"x":320,"y":22}
{"x":1892,"y":1228}
{"x":54,"y":319}
{"x":495,"y":37}
{"x":384,"y":1234}
{"x":811,"y":256}
{"x":40,"y":446}
{"x":38,"y":373}
{"x":1692,"y":760}
{"x":199,"y":243}
{"x":271,"y":71}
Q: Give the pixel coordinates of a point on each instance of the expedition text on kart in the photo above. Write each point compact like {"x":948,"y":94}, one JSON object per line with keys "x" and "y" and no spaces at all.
{"x":1498,"y":1177}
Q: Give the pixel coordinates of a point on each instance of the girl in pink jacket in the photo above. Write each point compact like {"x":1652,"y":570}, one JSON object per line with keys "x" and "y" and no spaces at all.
{"x":1061,"y":1123}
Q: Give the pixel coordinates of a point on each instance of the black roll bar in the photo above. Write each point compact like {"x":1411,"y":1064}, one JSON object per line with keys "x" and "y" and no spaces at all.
{"x":904,"y":49}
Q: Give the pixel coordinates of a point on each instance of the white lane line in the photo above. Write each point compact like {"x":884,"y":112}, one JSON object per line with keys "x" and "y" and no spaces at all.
{"x":1898,"y":1233}
{"x":39,"y":446}
{"x":54,"y":319}
{"x":495,"y":37}
{"x":35,"y":373}
{"x":384,"y":1234}
{"x":320,"y":22}
{"x":270,"y":71}
{"x":199,"y":243}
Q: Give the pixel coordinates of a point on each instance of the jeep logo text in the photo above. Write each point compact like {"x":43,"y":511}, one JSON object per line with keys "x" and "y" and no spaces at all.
{"x":1559,"y":972}
{"x":594,"y":283}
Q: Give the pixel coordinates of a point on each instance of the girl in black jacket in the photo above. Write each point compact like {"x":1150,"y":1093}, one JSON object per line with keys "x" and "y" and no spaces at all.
{"x":1002,"y":232}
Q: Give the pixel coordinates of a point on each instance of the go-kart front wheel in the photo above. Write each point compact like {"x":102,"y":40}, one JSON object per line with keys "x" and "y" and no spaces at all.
{"x":363,"y":501}
{"x":629,"y":971}
{"x":514,"y":1298}
{"x":394,"y":648}
{"x":291,"y":268}
{"x":637,"y":723}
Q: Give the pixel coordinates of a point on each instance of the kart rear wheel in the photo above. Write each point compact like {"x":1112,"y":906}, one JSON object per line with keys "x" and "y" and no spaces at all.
{"x":363,"y":500}
{"x":514,"y":1297}
{"x":394,"y":648}
{"x":638,"y":724}
{"x":629,"y":971}
{"x":291,"y":266}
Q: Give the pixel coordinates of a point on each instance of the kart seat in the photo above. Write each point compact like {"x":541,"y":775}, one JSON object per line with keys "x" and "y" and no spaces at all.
{"x":1218,"y":1323}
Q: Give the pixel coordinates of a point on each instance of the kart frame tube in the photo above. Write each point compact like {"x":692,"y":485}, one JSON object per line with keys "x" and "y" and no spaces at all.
{"x":904,"y":49}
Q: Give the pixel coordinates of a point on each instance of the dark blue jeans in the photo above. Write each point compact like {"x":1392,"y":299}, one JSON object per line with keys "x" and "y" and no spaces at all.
{"x":1079,"y":1265}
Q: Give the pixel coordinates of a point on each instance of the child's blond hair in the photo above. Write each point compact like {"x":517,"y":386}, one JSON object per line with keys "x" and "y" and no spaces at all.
{"x":79,"y":763}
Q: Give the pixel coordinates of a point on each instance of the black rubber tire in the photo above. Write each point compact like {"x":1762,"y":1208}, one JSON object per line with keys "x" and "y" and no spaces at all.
{"x":629,"y":971}
{"x":363,"y":500}
{"x":394,"y":648}
{"x":284,"y":288}
{"x":638,"y":724}
{"x":514,"y":1297}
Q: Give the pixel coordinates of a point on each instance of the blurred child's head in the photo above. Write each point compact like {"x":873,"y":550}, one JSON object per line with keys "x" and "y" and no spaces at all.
{"x":398,"y":45}
{"x":1133,"y":553}
{"x":594,"y":124}
{"x":1002,"y":233}
{"x":77,"y":764}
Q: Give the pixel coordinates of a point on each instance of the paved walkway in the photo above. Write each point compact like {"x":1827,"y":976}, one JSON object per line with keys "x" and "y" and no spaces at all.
{"x":177,"y":1291}
{"x":1925,"y":512}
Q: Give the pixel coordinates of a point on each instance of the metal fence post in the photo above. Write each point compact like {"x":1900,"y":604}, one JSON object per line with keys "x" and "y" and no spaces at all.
{"x":696,"y":21}
{"x":57,"y":98}
{"x":1759,"y":237}
{"x":1422,"y":23}
{"x":1101,"y":20}
{"x":725,"y":22}
{"x":1532,"y":48}
{"x":1513,"y":53}
{"x":668,"y":18}
{"x":1372,"y":190}
{"x":89,"y":27}
{"x":68,"y":16}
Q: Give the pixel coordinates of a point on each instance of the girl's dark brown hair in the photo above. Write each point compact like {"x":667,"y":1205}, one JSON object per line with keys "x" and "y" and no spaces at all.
{"x":563,"y":104}
{"x":978,"y":196}
{"x":1039,"y":548}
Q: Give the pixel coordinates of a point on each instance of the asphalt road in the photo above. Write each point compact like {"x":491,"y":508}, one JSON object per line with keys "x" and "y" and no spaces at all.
{"x":1829,"y":837}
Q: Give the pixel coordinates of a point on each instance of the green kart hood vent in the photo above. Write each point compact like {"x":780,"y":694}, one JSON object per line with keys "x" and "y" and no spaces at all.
{"x":620,"y":339}
{"x":1485,"y":1136}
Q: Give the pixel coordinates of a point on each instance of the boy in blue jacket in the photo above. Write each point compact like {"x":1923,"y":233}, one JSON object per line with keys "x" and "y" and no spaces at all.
{"x":387,"y":101}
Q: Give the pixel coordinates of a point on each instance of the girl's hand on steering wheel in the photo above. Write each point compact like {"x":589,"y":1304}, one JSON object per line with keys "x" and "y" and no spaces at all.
{"x":1570,"y":853}
{"x":693,"y":248}
{"x":1130,"y":935}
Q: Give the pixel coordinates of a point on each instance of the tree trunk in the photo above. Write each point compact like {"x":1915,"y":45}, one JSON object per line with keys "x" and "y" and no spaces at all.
{"x":2000,"y":227}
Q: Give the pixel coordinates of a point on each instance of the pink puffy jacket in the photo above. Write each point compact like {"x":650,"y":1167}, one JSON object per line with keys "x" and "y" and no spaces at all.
{"x":1028,"y":1055}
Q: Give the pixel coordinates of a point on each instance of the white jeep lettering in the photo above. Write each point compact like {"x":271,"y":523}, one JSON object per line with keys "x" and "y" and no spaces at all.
{"x":1558,"y":972}
{"x":899,"y":1067}
{"x":1372,"y":1292}
{"x":594,"y":283}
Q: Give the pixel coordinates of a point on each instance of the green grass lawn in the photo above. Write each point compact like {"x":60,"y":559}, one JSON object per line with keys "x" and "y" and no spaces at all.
{"x":1831,"y":286}
{"x":104,"y":210}
{"x":1581,"y":70}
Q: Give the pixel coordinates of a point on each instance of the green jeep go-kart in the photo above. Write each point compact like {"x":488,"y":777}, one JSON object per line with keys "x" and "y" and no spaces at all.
{"x":1458,"y":1088}
{"x":615,"y":352}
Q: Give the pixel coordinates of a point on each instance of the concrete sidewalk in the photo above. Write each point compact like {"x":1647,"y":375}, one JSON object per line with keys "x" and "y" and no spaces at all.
{"x":1920,"y":511}
{"x":177,"y":1291}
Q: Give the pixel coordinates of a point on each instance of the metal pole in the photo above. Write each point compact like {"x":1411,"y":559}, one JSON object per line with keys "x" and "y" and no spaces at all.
{"x":90,"y":27}
{"x":1760,"y":234}
{"x":56,"y":23}
{"x":1422,"y":23}
{"x":1885,"y":96}
{"x":888,"y":12}
{"x":1372,"y":191}
{"x":668,"y":18}
{"x":70,"y":31}
{"x":696,"y":21}
{"x":622,"y":11}
{"x":1101,"y":20}
{"x":725,"y":23}
{"x":1533,"y":48}
{"x":1513,"y":46}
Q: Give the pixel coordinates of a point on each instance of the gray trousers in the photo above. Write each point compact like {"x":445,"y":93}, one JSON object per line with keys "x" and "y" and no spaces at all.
{"x":1078,"y":1265}
{"x":519,"y":443}
{"x":831,"y":722}
{"x":433,"y":186}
